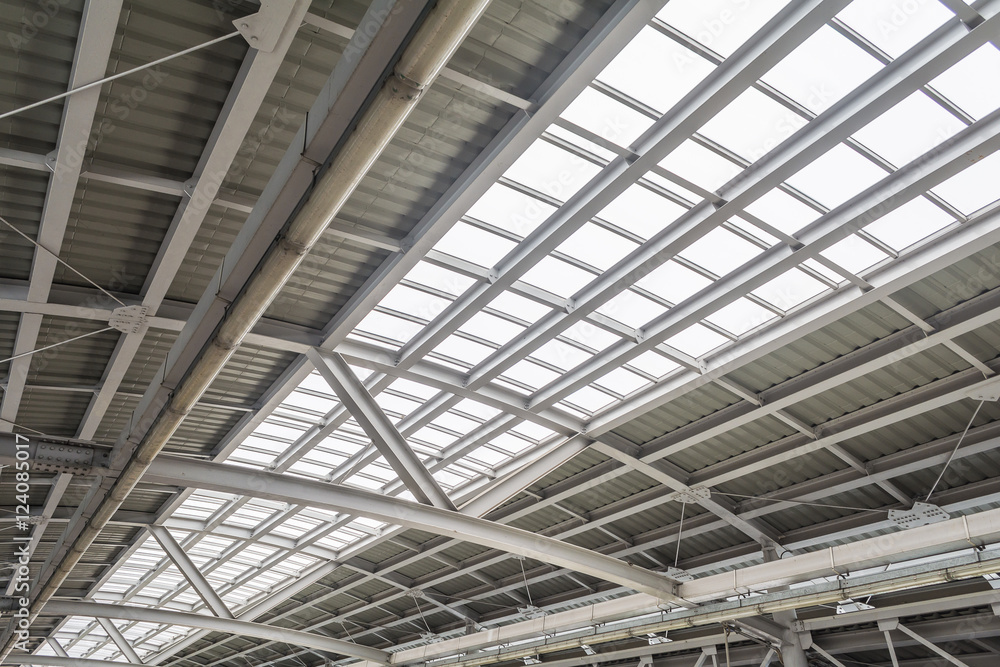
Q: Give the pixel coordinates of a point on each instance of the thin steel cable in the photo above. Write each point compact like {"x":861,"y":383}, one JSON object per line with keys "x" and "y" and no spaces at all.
{"x":525,"y":575}
{"x":59,"y":259}
{"x":954,"y":451}
{"x":49,"y":347}
{"x":113,"y":77}
{"x":420,"y":611}
{"x":802,"y":502}
{"x":680,"y":530}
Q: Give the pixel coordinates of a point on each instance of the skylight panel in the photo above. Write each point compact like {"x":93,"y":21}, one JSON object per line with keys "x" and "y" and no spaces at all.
{"x":909,"y":129}
{"x":622,"y":381}
{"x":974,"y":187}
{"x":754,"y":230}
{"x":448,"y":479}
{"x":894,"y":26}
{"x":474,"y":244}
{"x":703,"y":167}
{"x":197,"y":506}
{"x":532,"y":431}
{"x":854,"y":254}
{"x":551,"y":170}
{"x":963,"y":82}
{"x":327,"y":459}
{"x":315,"y":382}
{"x":721,"y":25}
{"x":464,"y":350}
{"x":413,"y":302}
{"x":782,"y":211}
{"x":596,"y":246}
{"x":392,"y":403}
{"x":654,"y":363}
{"x":487,"y":456}
{"x":741,"y":316}
{"x":911,"y":222}
{"x":751,"y":125}
{"x":434,"y":436}
{"x":476,"y":409}
{"x":588,"y":398}
{"x":519,"y":307}
{"x":378,"y":470}
{"x":681,"y":188}
{"x":558,"y":277}
{"x":586,"y":333}
{"x":510,"y":210}
{"x":678,"y":70}
{"x":388,"y":326}
{"x":574,"y":139}
{"x":641,"y":211}
{"x":531,"y":374}
{"x":822,"y":269}
{"x":673,"y":282}
{"x":631,"y":309}
{"x":606,"y":117}
{"x":560,"y":354}
{"x":822,"y":70}
{"x":492,"y":328}
{"x":720,"y":251}
{"x":300,"y":400}
{"x":456,"y":423}
{"x":404,"y":386}
{"x":696,"y":340}
{"x":439,"y":278}
{"x":307,"y":468}
{"x":836,"y":176}
{"x":790,"y":289}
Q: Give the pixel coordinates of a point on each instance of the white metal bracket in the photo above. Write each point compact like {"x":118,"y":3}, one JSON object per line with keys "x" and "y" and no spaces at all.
{"x":693,"y":496}
{"x":129,"y":319}
{"x":921,"y":514}
{"x":988,"y":392}
{"x":262,"y":30}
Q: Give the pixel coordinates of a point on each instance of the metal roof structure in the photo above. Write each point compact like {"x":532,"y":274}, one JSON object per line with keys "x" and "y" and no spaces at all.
{"x":500,"y":332}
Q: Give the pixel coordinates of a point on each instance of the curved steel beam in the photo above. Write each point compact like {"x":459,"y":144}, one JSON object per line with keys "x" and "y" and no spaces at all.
{"x":242,"y":481}
{"x":227,"y":625}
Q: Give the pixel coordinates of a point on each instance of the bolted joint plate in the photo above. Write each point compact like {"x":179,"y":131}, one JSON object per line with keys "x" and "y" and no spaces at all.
{"x":921,"y":514}
{"x":262,"y":30}
{"x":129,"y":319}
{"x":63,"y":458}
{"x":693,"y":496}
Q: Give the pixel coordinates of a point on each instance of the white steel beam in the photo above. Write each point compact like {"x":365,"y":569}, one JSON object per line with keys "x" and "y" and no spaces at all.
{"x":119,"y":640}
{"x":245,"y":97}
{"x":673,"y":482}
{"x":933,"y":647}
{"x":228,"y":625}
{"x":90,"y":62}
{"x":190,"y":571}
{"x":393,"y":446}
{"x":233,"y":479}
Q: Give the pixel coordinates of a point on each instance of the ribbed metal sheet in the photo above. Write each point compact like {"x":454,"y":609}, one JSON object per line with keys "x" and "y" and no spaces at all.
{"x":835,"y":340}
{"x":113,"y":236}
{"x":22,"y":197}
{"x":80,"y":363}
{"x":957,"y":283}
{"x":39,"y":48}
{"x":684,"y":410}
